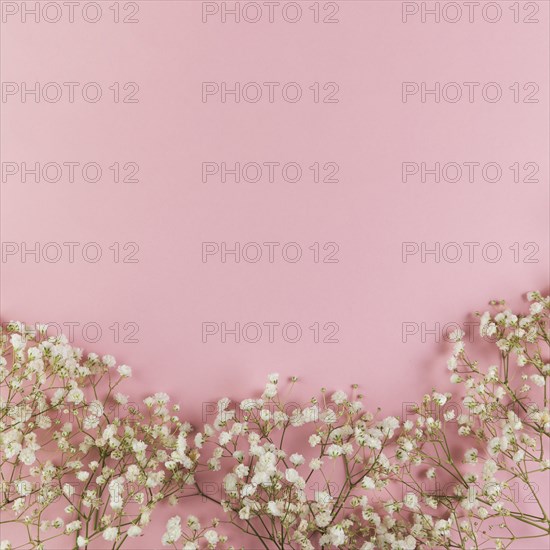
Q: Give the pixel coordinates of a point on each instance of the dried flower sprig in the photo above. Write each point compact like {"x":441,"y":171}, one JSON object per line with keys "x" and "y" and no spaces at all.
{"x":490,"y":448}
{"x":80,"y":461}
{"x":288,"y":496}
{"x":71,"y":442}
{"x":193,"y":536}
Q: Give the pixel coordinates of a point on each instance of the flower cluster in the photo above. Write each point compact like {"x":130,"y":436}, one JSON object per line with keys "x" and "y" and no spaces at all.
{"x":78,"y":458}
{"x":462,"y":470}
{"x":486,"y":449}
{"x":193,"y":536}
{"x":289,"y":496}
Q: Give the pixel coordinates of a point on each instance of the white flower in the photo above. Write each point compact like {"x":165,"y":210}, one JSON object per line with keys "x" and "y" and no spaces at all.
{"x":134,"y":531}
{"x":297,"y":459}
{"x":73,"y":526}
{"x":292,"y":476}
{"x":109,"y":360}
{"x":121,"y":399}
{"x":452,"y":363}
{"x":173,"y":531}
{"x":132,"y":473}
{"x":270,"y":391}
{"x":310,"y":414}
{"x":456,"y":335}
{"x":68,"y":490}
{"x":193,"y":523}
{"x":390,"y":424}
{"x":439,"y":398}
{"x":125,"y":371}
{"x":18,"y":342}
{"x":337,"y":536}
{"x":12,"y":449}
{"x":116,"y":490}
{"x":76,"y":396}
{"x":315,"y":464}
{"x":449,"y":415}
{"x":497,"y":445}
{"x":458,"y":348}
{"x":211,"y":537}
{"x":411,"y":501}
{"x":82,"y":541}
{"x":323,"y":518}
{"x":111,"y":533}
{"x":230,"y":482}
{"x":314,"y":440}
{"x":241,"y":471}
{"x":519,"y":455}
{"x":58,"y":523}
{"x":244,"y":513}
{"x":161,"y":398}
{"x":249,"y":404}
{"x":248,"y":489}
{"x":470,"y":456}
{"x":138,"y":446}
{"x":27,"y":456}
{"x":18,"y":504}
{"x":335,"y":450}
{"x":489,"y":469}
{"x":339,"y":397}
{"x":368,"y":483}
{"x":224,"y":438}
{"x":24,"y":487}
{"x":273,"y":509}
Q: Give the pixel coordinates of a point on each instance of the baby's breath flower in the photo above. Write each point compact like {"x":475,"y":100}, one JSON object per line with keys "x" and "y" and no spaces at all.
{"x":121,"y":461}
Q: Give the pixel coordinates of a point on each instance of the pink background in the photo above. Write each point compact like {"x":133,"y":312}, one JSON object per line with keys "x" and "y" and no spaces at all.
{"x":370,"y":292}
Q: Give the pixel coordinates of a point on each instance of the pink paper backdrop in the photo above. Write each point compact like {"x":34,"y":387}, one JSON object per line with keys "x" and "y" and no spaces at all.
{"x":147,"y":299}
